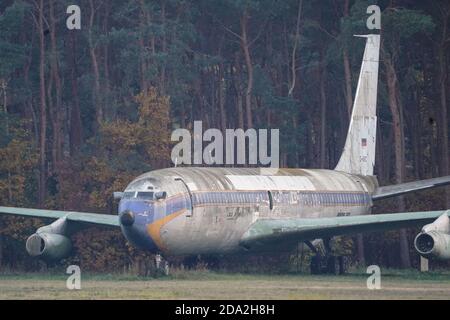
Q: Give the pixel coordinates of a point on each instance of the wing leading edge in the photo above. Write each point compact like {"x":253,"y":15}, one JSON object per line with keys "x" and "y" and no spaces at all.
{"x":275,"y":232}
{"x":81,"y":217}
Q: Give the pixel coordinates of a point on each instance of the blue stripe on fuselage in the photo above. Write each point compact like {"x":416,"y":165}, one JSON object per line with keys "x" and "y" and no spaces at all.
{"x":145,"y":213}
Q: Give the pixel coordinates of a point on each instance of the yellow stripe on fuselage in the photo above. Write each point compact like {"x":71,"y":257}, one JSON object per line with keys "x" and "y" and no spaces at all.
{"x":154,"y":229}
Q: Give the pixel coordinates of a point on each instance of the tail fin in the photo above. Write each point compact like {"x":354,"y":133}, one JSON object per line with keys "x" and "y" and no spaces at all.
{"x":358,"y":156}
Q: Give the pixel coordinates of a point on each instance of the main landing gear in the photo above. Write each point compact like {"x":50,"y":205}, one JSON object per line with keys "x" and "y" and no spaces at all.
{"x":323,"y":262}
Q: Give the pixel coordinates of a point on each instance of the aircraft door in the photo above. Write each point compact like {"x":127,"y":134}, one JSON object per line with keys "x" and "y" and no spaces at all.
{"x":190,"y":205}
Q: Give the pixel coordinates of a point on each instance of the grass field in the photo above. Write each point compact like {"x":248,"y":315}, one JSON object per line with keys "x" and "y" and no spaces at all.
{"x":210,"y":285}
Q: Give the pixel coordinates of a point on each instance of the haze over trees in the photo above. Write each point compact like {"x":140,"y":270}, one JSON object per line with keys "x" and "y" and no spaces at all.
{"x":82,"y":112}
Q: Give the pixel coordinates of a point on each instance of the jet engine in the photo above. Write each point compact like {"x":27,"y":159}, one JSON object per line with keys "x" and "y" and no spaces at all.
{"x":434,"y":239}
{"x":48,"y":246}
{"x":50,"y":242}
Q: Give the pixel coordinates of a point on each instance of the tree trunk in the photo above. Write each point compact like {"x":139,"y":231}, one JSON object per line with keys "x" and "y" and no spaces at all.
{"x":237,"y":82}
{"x":106,"y":52}
{"x":76,"y":133}
{"x":43,"y":108}
{"x":164,"y":47}
{"x":144,"y":22}
{"x":4,"y":87}
{"x":58,"y":110}
{"x":222,"y":95}
{"x":248,"y":62}
{"x":294,"y":50}
{"x":399,"y":148}
{"x":323,"y":111}
{"x":442,"y":123}
{"x":348,"y":82}
{"x":92,"y":52}
{"x":347,"y":69}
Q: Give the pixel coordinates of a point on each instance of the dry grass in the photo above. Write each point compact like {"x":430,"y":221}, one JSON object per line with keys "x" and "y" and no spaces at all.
{"x":207,"y":285}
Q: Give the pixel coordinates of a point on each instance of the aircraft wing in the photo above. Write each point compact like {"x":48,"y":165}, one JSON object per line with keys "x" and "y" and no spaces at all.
{"x":399,"y":189}
{"x":278,"y":232}
{"x":82,"y":217}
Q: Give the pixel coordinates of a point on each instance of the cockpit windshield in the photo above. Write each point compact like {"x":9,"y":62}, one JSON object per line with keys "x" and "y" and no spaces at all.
{"x":148,"y":189}
{"x":145,"y":195}
{"x":128,"y":194}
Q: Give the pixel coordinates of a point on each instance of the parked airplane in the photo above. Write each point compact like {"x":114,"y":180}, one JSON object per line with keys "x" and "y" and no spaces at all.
{"x":185,"y":211}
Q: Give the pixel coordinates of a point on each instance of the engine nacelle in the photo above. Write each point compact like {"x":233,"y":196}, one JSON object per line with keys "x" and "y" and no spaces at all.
{"x":434,"y":240}
{"x":50,"y":242}
{"x":49,"y":246}
{"x":433,"y":244}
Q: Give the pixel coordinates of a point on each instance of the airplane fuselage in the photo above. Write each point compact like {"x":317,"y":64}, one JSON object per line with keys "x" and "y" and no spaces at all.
{"x":207,"y":210}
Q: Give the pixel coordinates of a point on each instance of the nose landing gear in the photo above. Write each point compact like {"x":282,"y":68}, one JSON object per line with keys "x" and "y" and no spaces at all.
{"x":162,"y":265}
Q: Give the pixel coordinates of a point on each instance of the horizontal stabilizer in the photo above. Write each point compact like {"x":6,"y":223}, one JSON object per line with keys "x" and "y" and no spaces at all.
{"x":399,"y":189}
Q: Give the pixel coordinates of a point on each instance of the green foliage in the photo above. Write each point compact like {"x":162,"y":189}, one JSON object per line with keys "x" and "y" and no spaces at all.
{"x":11,"y":52}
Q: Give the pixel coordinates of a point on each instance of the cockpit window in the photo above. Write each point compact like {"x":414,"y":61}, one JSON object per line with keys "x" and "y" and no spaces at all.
{"x":128,"y":194}
{"x":146,"y":195}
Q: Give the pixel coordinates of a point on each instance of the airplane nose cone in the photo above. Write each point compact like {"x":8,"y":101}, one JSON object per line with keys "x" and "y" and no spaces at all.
{"x":126,"y":218}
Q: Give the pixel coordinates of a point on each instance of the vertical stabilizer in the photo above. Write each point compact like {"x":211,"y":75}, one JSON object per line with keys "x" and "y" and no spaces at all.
{"x":358,"y":156}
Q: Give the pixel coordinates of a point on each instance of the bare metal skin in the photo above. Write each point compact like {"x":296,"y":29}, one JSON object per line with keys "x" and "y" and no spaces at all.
{"x":218,"y":227}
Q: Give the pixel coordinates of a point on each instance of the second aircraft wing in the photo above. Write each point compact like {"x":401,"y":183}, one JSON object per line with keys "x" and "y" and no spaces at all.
{"x":282,"y":232}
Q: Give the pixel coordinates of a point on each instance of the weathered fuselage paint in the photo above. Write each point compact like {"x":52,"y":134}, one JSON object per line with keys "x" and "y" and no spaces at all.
{"x":207,"y":210}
